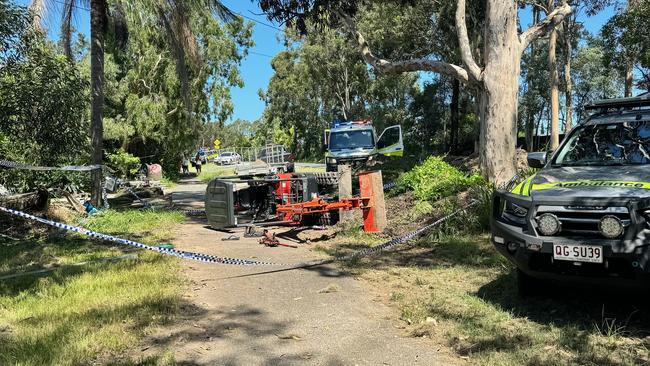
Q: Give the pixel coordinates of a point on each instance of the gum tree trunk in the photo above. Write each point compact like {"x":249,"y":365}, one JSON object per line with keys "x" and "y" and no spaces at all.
{"x":569,"y":82}
{"x":554,"y":82}
{"x":455,"y":117}
{"x":629,"y":64}
{"x":498,"y":97}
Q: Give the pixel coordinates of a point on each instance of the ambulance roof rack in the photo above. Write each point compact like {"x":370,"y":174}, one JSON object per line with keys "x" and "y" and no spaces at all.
{"x":639,"y":101}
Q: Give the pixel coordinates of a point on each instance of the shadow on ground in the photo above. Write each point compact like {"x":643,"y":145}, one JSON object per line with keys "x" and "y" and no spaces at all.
{"x":584,"y":325}
{"x":196,"y":338}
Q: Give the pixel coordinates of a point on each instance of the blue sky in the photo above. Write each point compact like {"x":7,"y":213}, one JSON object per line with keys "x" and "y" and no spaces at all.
{"x":256,"y":68}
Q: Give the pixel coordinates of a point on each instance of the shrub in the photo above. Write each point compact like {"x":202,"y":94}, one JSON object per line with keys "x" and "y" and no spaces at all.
{"x":435,"y":179}
{"x":124,"y":162}
{"x":482,"y":192}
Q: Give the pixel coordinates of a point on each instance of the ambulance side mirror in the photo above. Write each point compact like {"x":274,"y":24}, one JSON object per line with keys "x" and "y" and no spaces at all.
{"x":536,"y":159}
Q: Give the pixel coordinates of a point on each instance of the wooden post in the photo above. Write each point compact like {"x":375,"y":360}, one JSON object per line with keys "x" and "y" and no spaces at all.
{"x":345,"y":190}
{"x":372,"y":186}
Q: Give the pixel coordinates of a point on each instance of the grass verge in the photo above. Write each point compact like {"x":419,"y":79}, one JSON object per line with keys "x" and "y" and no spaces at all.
{"x":168,"y":183}
{"x":82,"y":315}
{"x":210,"y":171}
{"x":458,"y":291}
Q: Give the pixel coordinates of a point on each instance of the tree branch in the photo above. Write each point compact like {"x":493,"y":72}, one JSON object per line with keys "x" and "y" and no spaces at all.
{"x":418,"y":64}
{"x":463,"y":42}
{"x":542,"y":28}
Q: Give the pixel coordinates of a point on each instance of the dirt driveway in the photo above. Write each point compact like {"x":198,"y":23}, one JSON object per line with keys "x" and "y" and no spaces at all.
{"x":264,"y":316}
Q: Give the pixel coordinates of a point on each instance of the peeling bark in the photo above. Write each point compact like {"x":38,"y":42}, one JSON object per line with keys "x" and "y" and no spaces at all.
{"x":629,"y":64}
{"x":554,"y":81}
{"x":498,"y":97}
{"x":629,"y":78}
{"x":455,"y":117}
{"x":463,"y":43}
{"x":568,"y":80}
{"x":545,"y":26}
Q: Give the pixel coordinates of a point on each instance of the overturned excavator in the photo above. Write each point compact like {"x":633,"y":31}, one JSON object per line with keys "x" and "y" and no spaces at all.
{"x":298,"y":199}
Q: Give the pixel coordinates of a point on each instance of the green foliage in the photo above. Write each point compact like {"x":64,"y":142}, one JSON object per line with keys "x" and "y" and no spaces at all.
{"x":593,"y":79}
{"x":321,"y":77}
{"x":482,"y":193}
{"x":14,"y":24}
{"x":43,"y":115}
{"x":146,"y":96}
{"x":626,"y":40}
{"x":435,"y":179}
{"x":127,"y":164}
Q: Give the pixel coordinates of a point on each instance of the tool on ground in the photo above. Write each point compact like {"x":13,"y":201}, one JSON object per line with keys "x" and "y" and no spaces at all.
{"x":230,"y":237}
{"x":253,"y":232}
{"x":270,"y":240}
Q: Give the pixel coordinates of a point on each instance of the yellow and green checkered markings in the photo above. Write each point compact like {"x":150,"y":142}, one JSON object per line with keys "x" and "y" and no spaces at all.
{"x":524,"y":188}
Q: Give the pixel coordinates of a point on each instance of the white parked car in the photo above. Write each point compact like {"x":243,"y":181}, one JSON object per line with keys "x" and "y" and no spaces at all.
{"x":228,"y":158}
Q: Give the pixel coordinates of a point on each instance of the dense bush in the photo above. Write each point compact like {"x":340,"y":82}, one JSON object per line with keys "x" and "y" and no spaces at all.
{"x":43,"y":98}
{"x":126,"y":164}
{"x":435,"y":179}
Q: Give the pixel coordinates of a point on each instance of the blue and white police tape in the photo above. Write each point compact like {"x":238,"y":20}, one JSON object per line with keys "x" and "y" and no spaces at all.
{"x":389,"y":244}
{"x":243,"y":262}
{"x":76,"y":168}
{"x":408,"y":236}
{"x":173,"y":252}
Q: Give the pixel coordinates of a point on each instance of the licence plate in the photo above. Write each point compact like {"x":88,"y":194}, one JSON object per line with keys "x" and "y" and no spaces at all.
{"x":578,"y":253}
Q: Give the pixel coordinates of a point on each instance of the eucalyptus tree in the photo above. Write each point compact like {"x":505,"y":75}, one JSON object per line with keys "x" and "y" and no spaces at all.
{"x":593,"y":79}
{"x":319,"y":78}
{"x":495,"y":80}
{"x":628,"y":44}
{"x":569,"y":34}
{"x":423,"y":30}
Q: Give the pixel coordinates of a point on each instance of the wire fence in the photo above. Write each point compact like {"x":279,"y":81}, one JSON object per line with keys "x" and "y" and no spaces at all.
{"x":270,"y":153}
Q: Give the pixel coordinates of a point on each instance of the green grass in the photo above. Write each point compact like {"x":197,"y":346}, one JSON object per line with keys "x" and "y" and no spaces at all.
{"x":168,"y":183}
{"x":210,"y":171}
{"x":460,"y":292}
{"x":79,"y":315}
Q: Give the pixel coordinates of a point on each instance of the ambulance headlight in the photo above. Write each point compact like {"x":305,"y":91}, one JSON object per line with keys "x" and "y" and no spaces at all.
{"x":548,"y":224}
{"x":610,"y":226}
